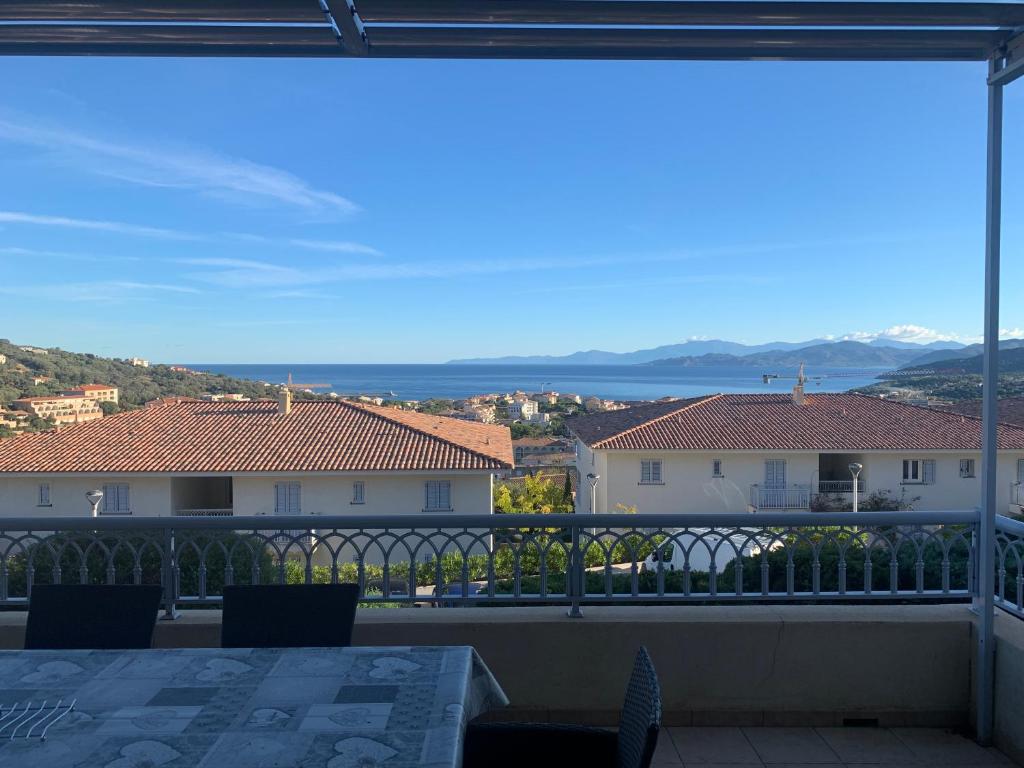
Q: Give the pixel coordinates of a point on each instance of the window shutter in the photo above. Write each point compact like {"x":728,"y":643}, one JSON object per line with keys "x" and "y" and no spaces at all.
{"x":928,"y":471}
{"x":645,"y":471}
{"x":44,"y":495}
{"x":655,"y":471}
{"x":294,"y":498}
{"x":428,"y":491}
{"x":122,"y":498}
{"x":280,"y":498}
{"x":446,"y":495}
{"x":109,"y":498}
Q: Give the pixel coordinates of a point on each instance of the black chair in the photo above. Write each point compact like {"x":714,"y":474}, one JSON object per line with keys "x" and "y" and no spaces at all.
{"x":508,"y":745}
{"x":102,"y":616}
{"x":289,"y":616}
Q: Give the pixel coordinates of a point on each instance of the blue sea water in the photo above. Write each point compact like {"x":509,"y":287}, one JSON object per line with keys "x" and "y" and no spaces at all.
{"x":618,"y":382}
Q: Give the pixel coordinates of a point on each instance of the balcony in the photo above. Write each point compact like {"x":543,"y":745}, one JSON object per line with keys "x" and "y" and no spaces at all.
{"x":211,"y":512}
{"x":886,"y":592}
{"x":788,"y":498}
{"x":832,"y":487}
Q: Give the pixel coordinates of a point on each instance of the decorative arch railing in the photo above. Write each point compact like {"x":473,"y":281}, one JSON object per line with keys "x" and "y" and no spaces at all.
{"x":571,"y":560}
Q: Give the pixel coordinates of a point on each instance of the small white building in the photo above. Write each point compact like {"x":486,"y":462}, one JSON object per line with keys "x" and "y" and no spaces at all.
{"x":522,"y":410}
{"x":748,"y":453}
{"x":139,"y":362}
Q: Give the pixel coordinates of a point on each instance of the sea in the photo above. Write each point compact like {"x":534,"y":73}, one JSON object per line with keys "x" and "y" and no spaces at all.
{"x":613,"y":382}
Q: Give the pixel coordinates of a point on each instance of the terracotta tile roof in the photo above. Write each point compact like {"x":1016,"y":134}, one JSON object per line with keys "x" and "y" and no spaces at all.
{"x":825,"y":422}
{"x":317,"y":436}
{"x":1010,"y":410}
{"x":47,"y":398}
{"x":91,"y":388}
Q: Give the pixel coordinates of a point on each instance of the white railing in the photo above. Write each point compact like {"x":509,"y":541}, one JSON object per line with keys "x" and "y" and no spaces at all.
{"x":509,"y":559}
{"x":839,"y":486}
{"x":209,"y":512}
{"x":793,"y":497}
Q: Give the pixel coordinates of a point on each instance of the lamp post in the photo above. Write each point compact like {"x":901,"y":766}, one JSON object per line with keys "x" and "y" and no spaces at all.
{"x":95,"y":497}
{"x":593,"y":491}
{"x":855,"y":470}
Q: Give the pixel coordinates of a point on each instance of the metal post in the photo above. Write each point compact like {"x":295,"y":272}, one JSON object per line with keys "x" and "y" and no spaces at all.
{"x":574,"y":576}
{"x":170,"y":577}
{"x":983,"y":600}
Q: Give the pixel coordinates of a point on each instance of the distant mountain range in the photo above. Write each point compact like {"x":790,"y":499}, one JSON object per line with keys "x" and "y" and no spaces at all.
{"x":717,"y":352}
{"x":840,"y":354}
{"x":969,"y":359}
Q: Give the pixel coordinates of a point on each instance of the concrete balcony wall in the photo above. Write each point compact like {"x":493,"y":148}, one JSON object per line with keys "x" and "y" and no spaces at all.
{"x":749,"y":665}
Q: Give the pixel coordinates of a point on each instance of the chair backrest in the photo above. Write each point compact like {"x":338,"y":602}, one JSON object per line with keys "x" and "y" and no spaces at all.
{"x":289,"y":616}
{"x":641,"y":715}
{"x":67,"y":616}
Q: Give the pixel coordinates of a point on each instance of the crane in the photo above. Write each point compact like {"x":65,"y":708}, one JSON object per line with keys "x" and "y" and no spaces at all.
{"x":801,"y":378}
{"x":293,"y":386}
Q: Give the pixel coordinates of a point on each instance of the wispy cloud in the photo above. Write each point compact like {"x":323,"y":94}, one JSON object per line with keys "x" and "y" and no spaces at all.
{"x":120,"y":227}
{"x":106,"y":290}
{"x":34,"y":253}
{"x":919,"y":334}
{"x":160,"y":164}
{"x":335,"y":246}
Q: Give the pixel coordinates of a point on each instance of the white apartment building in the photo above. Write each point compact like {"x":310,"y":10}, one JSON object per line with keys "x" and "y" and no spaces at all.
{"x":99,"y":392}
{"x":60,"y":409}
{"x":189,"y":457}
{"x":522,"y":410}
{"x":749,"y":453}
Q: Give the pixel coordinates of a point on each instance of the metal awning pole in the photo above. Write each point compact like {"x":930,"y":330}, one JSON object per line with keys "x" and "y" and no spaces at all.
{"x":990,"y":397}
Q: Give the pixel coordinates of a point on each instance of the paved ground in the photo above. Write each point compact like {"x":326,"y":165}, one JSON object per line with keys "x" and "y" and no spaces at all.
{"x":862,"y":747}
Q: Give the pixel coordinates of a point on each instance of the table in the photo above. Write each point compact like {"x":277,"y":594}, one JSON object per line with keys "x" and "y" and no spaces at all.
{"x":249,"y":708}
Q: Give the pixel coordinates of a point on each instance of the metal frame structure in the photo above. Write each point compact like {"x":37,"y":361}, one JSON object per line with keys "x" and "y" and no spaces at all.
{"x":777,"y":30}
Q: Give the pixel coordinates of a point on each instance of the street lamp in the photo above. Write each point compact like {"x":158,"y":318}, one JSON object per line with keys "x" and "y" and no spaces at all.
{"x":593,"y":491}
{"x":95,"y":496}
{"x":855,"y":470}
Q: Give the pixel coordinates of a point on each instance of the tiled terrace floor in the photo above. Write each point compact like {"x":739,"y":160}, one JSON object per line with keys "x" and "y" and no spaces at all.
{"x":778,"y":747}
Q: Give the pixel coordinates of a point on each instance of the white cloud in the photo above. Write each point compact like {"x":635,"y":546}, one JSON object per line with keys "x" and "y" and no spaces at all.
{"x":162,"y":165}
{"x":335,"y":246}
{"x":120,"y":227}
{"x":915,"y":334}
{"x":107,"y":290}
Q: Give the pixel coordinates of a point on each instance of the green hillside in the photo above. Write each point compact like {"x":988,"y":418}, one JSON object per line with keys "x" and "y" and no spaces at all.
{"x":136,"y":385}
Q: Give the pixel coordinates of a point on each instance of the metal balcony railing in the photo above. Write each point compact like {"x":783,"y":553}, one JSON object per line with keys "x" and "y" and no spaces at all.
{"x":205,"y":512}
{"x":839,"y":486}
{"x":791,"y":497}
{"x":509,"y":559}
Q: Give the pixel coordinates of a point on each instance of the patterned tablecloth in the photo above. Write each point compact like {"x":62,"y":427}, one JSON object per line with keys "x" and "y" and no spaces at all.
{"x":259,"y":708}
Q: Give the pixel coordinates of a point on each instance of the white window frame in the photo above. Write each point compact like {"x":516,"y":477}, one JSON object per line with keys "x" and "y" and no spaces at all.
{"x":116,"y":499}
{"x":43,"y":498}
{"x":924,"y":469}
{"x":437,"y":496}
{"x":966,"y":468}
{"x":288,"y":498}
{"x":359,"y":492}
{"x":717,"y":468}
{"x":651,"y":472}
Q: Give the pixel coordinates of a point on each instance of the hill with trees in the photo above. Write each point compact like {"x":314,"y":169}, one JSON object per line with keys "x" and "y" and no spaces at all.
{"x":56,"y":370}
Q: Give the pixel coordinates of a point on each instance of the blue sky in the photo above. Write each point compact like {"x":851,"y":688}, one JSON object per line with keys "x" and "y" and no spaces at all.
{"x":416,"y":211}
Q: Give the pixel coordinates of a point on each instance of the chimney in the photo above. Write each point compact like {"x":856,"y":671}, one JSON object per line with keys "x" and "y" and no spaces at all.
{"x":798,"y":390}
{"x":798,"y":394}
{"x":284,"y":402}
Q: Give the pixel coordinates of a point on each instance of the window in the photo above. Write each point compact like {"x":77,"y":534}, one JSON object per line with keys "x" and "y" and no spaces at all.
{"x":775,"y":473}
{"x":650,"y":472}
{"x":716,"y":468}
{"x":919,"y":471}
{"x":438,"y":495}
{"x":115,"y":499}
{"x":966,"y":467}
{"x":287,"y":498}
{"x":44,"y":495}
{"x":358,"y":492}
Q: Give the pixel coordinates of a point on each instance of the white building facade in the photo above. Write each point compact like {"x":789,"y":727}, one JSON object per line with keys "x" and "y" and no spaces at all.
{"x":729,"y":454}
